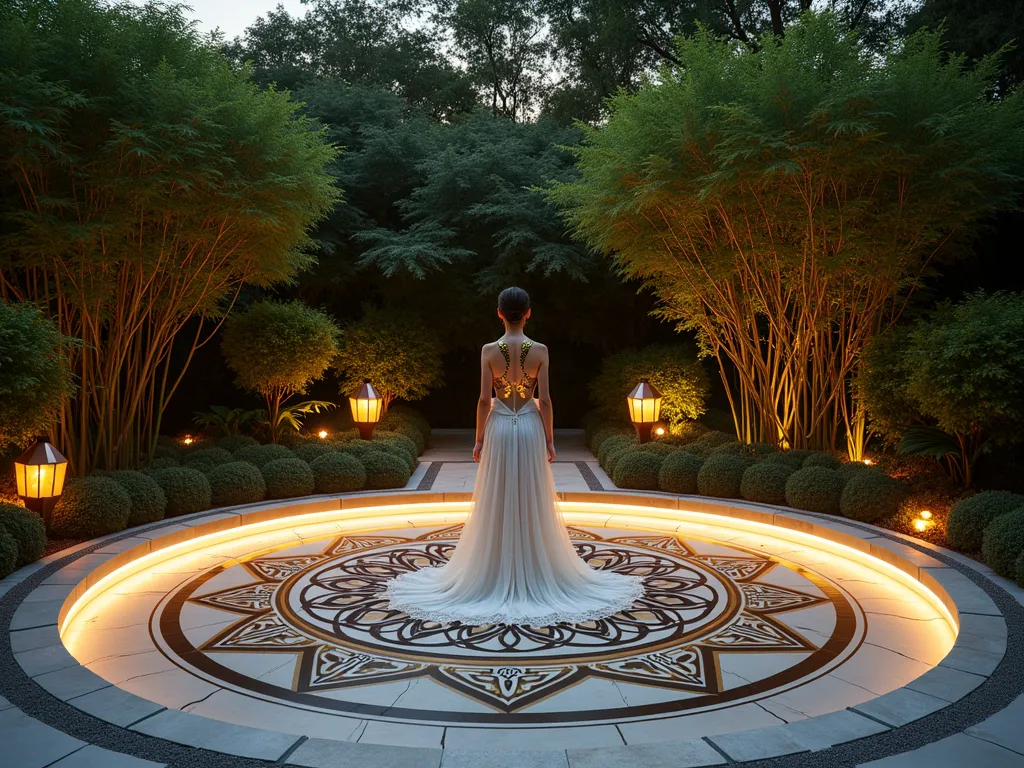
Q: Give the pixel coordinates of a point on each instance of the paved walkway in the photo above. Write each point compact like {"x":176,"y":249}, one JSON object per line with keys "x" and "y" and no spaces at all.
{"x":961,"y":708}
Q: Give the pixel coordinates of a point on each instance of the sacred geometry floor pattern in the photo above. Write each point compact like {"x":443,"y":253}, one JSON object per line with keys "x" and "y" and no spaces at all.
{"x":731,"y":628}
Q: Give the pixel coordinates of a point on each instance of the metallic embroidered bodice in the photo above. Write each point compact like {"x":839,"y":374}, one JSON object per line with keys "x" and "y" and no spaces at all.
{"x":524,"y":387}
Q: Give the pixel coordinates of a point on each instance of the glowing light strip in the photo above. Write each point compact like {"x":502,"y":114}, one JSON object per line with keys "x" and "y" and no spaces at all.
{"x":438,"y":513}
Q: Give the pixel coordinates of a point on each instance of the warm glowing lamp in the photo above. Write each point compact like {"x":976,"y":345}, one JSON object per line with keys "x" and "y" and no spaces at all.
{"x":644,"y":409}
{"x":367,"y":408}
{"x":926,"y":514}
{"x":40,"y":473}
{"x":921,"y":525}
{"x":322,"y":434}
{"x":659,"y":431}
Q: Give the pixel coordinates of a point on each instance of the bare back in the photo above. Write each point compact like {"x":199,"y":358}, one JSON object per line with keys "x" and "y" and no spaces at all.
{"x":514,"y":370}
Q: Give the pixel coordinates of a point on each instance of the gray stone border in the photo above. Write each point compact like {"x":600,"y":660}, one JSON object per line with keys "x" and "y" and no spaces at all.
{"x":999,"y":689}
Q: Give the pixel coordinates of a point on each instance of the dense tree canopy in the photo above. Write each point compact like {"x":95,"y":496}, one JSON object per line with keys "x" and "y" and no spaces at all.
{"x":145,"y":181}
{"x":784,"y":202}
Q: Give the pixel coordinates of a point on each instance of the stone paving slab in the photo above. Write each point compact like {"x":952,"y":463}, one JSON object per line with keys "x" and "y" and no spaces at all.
{"x":833,"y":728}
{"x":97,"y":757}
{"x":116,"y":706}
{"x":325,"y":753}
{"x":758,"y":744}
{"x":900,"y":707}
{"x":217,"y":735}
{"x":689,"y":753}
{"x":946,"y":683}
{"x":28,"y":743}
{"x":71,"y":682}
{"x":959,"y":751}
{"x":478,"y":758}
{"x":1005,"y":728}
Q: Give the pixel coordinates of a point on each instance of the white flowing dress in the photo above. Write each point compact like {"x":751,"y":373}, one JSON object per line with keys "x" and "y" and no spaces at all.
{"x":514,"y":563}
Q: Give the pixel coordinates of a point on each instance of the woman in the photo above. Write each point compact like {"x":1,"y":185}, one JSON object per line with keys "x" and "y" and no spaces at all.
{"x":514,"y":563}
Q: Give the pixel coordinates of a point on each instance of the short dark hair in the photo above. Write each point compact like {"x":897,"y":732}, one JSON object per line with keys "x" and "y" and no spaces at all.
{"x":513,"y":303}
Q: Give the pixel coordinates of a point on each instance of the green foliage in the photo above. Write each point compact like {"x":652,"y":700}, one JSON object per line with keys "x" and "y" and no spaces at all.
{"x":8,"y":553}
{"x":696,"y":449}
{"x":1003,"y":542}
{"x":148,"y":502}
{"x":277,"y":349}
{"x":384,"y":470}
{"x":722,"y":475}
{"x":658,"y":448}
{"x":678,"y":473}
{"x":409,"y":423}
{"x":786,"y":458}
{"x":884,"y":162}
{"x":826,"y":460}
{"x":616,"y":454}
{"x":90,"y":507}
{"x":187,"y":490}
{"x":815,"y":489}
{"x":206,"y":459}
{"x":237,"y":482}
{"x":388,"y":347}
{"x":134,"y":152}
{"x":969,"y":517}
{"x":310,"y":450}
{"x":870,"y":495}
{"x":714,"y":438}
{"x":612,"y":444}
{"x":403,"y":444}
{"x":1018,"y":571}
{"x":27,"y":530}
{"x":163,"y":463}
{"x":639,"y":470}
{"x":34,"y":374}
{"x":259,"y":455}
{"x":673,"y":369}
{"x":603,"y":433}
{"x":234,"y":443}
{"x":287,"y":478}
{"x":951,"y":385}
{"x":228,"y":422}
{"x":765,"y":482}
{"x":338,"y":473}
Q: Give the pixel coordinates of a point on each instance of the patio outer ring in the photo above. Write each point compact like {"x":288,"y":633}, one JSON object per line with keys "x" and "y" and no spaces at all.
{"x":998,"y":690}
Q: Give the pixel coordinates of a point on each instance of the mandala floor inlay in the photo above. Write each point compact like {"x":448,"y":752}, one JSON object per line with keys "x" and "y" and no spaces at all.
{"x":727,"y":622}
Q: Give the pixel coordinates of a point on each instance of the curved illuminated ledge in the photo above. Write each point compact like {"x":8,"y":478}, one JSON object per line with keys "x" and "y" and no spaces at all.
{"x":637,"y":511}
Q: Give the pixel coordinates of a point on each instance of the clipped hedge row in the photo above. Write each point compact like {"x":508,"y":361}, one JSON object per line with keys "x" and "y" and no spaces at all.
{"x":25,"y":529}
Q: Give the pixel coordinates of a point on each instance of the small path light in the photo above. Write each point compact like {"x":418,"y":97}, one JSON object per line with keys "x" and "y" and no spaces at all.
{"x":644,"y":409}
{"x":924,"y":521}
{"x":322,"y":434}
{"x":40,"y":473}
{"x":367,"y":406}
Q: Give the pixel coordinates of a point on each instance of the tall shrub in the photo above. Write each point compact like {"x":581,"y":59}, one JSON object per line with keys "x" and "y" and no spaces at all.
{"x":145,"y":180}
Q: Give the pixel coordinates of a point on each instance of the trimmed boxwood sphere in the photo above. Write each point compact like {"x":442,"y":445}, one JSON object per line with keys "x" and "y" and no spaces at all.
{"x":721,"y":475}
{"x":638,"y":470}
{"x":658,"y":448}
{"x":27,"y":530}
{"x":401,"y":441}
{"x":260,"y":455}
{"x":970,"y":517}
{"x":765,"y":482}
{"x":695,"y":449}
{"x":384,"y":470}
{"x":287,"y":478}
{"x":870,"y":495}
{"x":678,"y":473}
{"x":89,"y":507}
{"x":815,"y":489}
{"x":1019,"y":570}
{"x":786,"y":458}
{"x":234,"y":443}
{"x":338,"y":473}
{"x":602,"y":434}
{"x":163,"y":463}
{"x":826,"y":460}
{"x":187,"y":490}
{"x":8,"y":553}
{"x":311,"y":450}
{"x":611,"y":445}
{"x":206,"y":459}
{"x":148,"y":500}
{"x":714,"y":438}
{"x":237,"y":482}
{"x":1003,"y":542}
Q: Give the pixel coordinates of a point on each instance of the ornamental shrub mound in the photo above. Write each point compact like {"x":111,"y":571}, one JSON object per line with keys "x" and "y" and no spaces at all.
{"x":237,"y":482}
{"x":1019,"y":570}
{"x":678,"y":473}
{"x":765,"y":482}
{"x":826,"y":460}
{"x":870,"y":495}
{"x":8,"y":553}
{"x":970,"y":517}
{"x":785,"y":458}
{"x":206,"y":459}
{"x":1003,"y":542}
{"x":384,"y":470}
{"x":27,"y":530}
{"x":163,"y":463}
{"x":639,"y":470}
{"x":311,"y":450}
{"x":187,"y":490}
{"x":400,"y":440}
{"x":694,"y":449}
{"x":615,"y":455}
{"x":234,"y":443}
{"x":721,"y":475}
{"x":714,"y":438}
{"x":149,"y":503}
{"x":612,"y":444}
{"x":90,"y":507}
{"x":338,"y":473}
{"x":815,"y":489}
{"x":603,"y":433}
{"x":287,"y":478}
{"x":259,"y":455}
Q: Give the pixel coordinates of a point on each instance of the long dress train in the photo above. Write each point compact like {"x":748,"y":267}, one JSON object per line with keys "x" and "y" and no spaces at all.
{"x":514,"y":563}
